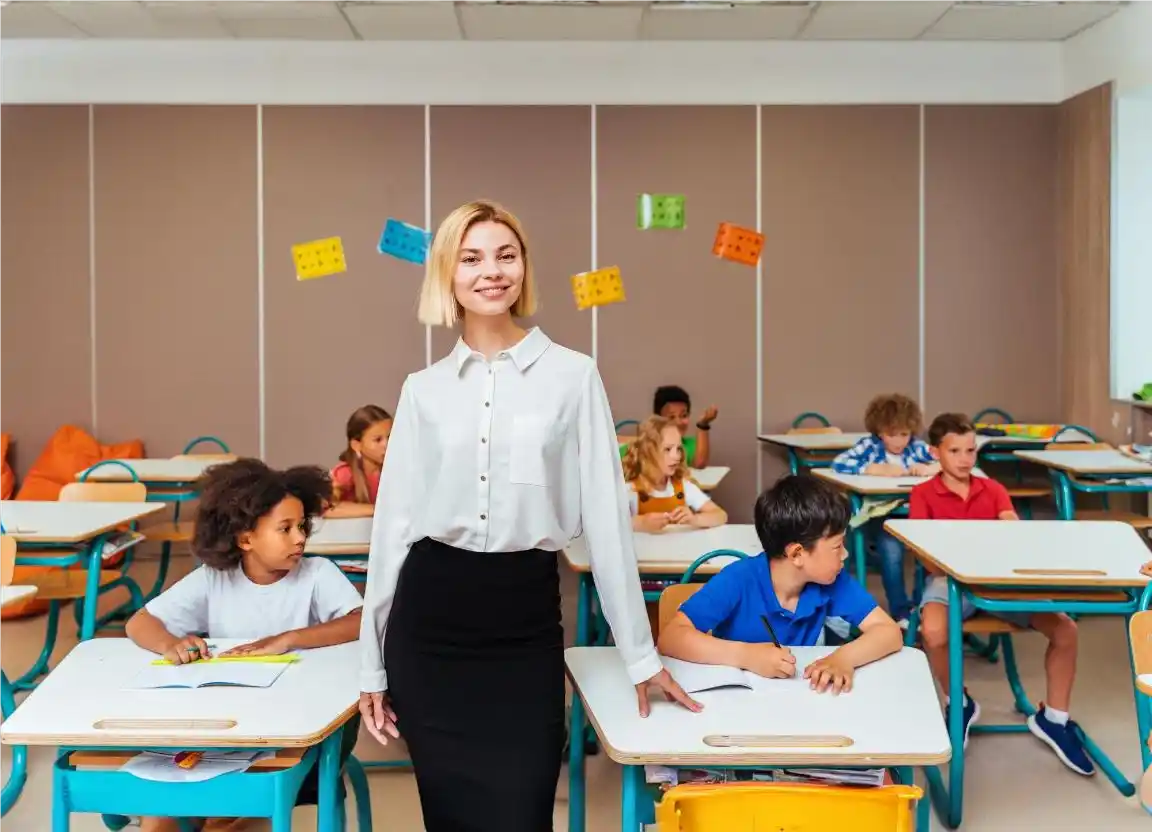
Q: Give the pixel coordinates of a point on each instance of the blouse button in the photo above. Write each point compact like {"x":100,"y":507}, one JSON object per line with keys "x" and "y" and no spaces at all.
{"x":483,"y":439}
{"x":483,"y":516}
{"x":487,"y":404}
{"x":483,"y":478}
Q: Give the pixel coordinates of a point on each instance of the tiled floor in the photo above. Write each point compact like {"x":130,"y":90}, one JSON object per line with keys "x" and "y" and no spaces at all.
{"x":1014,"y":782}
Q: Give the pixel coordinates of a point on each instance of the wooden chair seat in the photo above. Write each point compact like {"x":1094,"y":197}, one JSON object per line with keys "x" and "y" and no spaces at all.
{"x":169,"y":532}
{"x":1138,"y":521}
{"x":982,"y":624}
{"x":1028,"y":492}
{"x":283,"y":759}
{"x":66,"y":584}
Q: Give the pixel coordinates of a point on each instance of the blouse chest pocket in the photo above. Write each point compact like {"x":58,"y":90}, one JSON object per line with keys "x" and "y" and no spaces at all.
{"x":528,"y":456}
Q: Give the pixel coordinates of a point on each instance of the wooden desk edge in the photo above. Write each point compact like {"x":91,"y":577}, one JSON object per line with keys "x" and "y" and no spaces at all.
{"x":790,"y":758}
{"x":1050,"y":581}
{"x":337,"y":549}
{"x":161,"y":741}
{"x":648,"y":567}
{"x":1069,"y":469}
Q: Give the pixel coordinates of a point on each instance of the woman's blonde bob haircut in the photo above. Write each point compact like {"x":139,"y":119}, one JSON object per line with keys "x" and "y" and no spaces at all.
{"x":438,"y":304}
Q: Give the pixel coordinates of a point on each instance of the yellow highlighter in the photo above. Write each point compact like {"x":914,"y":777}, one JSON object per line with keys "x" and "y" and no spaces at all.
{"x":284,"y":658}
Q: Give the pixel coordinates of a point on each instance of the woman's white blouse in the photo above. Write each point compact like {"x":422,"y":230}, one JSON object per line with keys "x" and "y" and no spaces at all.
{"x":505,"y":455}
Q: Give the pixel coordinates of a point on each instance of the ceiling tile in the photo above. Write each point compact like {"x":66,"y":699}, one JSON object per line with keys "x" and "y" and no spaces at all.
{"x":135,"y":20}
{"x":872,"y":20}
{"x":35,"y":20}
{"x":404,"y":21}
{"x":720,"y":21}
{"x":274,"y":10}
{"x":550,"y":22}
{"x":1018,"y":21}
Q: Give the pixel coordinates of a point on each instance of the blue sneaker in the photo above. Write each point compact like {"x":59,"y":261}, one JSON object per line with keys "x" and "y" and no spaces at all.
{"x":971,"y":714}
{"x":1064,"y":740}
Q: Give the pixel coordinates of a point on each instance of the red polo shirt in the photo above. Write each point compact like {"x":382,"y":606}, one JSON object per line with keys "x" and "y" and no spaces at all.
{"x":933,"y":500}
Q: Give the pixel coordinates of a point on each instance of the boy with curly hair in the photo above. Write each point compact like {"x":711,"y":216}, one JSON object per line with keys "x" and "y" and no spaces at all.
{"x":891,"y":449}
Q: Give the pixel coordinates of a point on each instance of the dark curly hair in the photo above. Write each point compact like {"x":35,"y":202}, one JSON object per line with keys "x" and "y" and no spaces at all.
{"x":234,"y":496}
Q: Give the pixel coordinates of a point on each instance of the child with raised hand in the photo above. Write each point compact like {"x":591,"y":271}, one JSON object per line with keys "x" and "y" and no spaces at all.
{"x":891,"y":449}
{"x":255,"y":583}
{"x":794,"y":585}
{"x":356,"y":478}
{"x":673,"y":404}
{"x":661,"y":491}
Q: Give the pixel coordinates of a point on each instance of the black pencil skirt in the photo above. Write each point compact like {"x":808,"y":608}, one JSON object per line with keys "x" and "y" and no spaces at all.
{"x":475,"y":657}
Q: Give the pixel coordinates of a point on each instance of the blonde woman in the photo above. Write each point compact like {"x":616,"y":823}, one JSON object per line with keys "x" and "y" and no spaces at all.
{"x":662,"y":493}
{"x":500,"y":454}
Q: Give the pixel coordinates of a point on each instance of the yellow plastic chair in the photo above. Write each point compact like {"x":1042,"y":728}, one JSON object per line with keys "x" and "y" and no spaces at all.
{"x":755,"y":807}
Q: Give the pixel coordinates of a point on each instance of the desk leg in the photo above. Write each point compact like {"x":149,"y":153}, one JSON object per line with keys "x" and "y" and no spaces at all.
{"x":577,"y":806}
{"x":584,"y":610}
{"x":949,"y":799}
{"x":1063,"y":495}
{"x":18,"y":770}
{"x":793,"y":461}
{"x":328,"y":787}
{"x":859,"y":543}
{"x":631,"y":793}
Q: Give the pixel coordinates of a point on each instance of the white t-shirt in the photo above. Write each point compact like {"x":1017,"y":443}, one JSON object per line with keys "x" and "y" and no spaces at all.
{"x":895,"y":459}
{"x":226,"y":604}
{"x":694,"y":498}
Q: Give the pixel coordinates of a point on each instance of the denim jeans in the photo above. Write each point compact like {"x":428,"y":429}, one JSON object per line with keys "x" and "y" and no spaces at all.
{"x":890,"y":553}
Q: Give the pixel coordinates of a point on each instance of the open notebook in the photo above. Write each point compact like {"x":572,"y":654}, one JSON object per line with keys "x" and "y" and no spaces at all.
{"x":209,"y":674}
{"x":695,"y":678}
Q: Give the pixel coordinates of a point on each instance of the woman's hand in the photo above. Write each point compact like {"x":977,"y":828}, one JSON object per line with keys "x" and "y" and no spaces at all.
{"x":270,"y":646}
{"x":671,"y":690}
{"x":187,"y":649}
{"x":377,"y":714}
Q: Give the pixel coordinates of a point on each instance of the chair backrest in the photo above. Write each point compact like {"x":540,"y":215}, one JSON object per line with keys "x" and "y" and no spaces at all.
{"x":813,"y":415}
{"x":815,"y":430}
{"x":671,"y":599}
{"x":104,"y":492}
{"x":1139,"y":636}
{"x":7,"y":559}
{"x":1078,"y":446}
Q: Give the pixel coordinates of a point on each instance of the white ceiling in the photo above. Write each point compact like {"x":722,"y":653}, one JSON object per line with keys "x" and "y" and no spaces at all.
{"x":543,"y":20}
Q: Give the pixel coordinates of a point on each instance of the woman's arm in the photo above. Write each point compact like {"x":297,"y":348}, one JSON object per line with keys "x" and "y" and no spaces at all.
{"x":401,"y":487}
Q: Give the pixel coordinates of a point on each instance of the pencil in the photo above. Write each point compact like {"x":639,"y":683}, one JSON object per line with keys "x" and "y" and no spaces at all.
{"x":771,"y":632}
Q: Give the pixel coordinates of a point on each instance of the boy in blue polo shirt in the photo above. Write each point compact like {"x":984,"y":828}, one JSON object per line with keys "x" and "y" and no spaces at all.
{"x":794,"y":585}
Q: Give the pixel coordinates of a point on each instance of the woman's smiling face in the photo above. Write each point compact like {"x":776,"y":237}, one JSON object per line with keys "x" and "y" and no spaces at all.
{"x":489,"y":270}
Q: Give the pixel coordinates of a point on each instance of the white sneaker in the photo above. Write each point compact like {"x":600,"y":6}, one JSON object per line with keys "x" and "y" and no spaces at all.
{"x":903,"y":624}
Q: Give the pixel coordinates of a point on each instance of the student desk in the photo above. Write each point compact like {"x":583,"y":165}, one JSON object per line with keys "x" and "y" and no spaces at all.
{"x":1087,"y":568}
{"x":18,"y":773}
{"x":83,"y":705}
{"x":166,"y":476}
{"x":710,"y":477}
{"x":826,"y":445}
{"x":665,"y":555}
{"x":340,"y":538}
{"x":64,"y":535}
{"x":891,"y":718}
{"x":1089,"y":472}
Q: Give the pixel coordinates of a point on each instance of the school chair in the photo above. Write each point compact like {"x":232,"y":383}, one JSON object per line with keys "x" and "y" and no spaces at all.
{"x":746,"y":807}
{"x":1141,"y":522}
{"x":1140,"y":643}
{"x":83,"y":491}
{"x":1004,"y":417}
{"x":18,"y":768}
{"x":800,"y":459}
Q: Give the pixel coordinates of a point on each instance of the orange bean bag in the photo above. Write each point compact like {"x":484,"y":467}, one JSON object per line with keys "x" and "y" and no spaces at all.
{"x":7,"y":476}
{"x":68,"y":452}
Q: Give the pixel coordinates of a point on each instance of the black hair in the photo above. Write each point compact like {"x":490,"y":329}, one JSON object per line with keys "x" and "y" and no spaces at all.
{"x":670,"y":394}
{"x":799,"y":509}
{"x":234,"y":496}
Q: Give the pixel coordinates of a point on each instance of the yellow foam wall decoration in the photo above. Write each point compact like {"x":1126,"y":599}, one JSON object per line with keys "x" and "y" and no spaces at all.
{"x":319,"y":258}
{"x":598,"y":288}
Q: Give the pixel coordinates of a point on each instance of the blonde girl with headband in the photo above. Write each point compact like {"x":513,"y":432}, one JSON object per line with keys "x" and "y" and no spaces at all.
{"x":661,"y":491}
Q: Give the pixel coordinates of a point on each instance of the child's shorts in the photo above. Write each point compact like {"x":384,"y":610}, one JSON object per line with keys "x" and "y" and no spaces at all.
{"x":936,"y":592}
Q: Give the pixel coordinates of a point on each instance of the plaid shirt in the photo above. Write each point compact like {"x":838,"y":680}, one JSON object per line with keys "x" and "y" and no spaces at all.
{"x":870,"y":451}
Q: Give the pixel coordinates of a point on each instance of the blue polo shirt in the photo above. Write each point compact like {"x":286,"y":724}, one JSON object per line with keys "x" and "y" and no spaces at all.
{"x":731,"y":603}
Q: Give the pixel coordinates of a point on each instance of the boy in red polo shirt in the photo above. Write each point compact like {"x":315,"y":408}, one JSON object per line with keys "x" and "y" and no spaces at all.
{"x":955,"y":494}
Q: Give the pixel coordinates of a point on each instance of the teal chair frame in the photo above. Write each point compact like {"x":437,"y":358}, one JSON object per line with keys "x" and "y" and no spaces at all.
{"x":18,"y":771}
{"x":813,"y":459}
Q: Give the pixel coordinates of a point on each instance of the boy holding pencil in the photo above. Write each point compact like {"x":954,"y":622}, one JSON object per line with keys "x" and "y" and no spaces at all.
{"x":749,"y":614}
